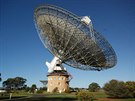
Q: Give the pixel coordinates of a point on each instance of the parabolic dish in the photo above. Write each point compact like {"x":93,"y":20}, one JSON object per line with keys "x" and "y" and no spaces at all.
{"x":67,"y":38}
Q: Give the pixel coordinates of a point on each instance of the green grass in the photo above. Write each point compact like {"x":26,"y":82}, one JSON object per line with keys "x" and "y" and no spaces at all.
{"x":18,"y":94}
{"x":99,"y":96}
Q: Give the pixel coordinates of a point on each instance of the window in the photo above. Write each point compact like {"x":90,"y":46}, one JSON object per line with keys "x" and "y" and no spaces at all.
{"x":59,"y":83}
{"x":54,"y":78}
{"x":50,"y":78}
{"x":59,"y":78}
{"x":51,"y":84}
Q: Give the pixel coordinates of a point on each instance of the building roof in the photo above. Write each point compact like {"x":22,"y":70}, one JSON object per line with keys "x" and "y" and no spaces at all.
{"x":59,"y":73}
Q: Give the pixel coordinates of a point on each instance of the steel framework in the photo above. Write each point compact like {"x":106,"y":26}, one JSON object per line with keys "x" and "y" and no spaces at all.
{"x":67,"y":38}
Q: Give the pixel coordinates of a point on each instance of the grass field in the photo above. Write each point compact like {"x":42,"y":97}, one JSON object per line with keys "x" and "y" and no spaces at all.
{"x":98,"y":96}
{"x":101,"y":96}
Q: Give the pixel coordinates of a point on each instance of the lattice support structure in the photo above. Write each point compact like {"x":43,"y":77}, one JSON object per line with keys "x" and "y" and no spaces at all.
{"x":75,"y":43}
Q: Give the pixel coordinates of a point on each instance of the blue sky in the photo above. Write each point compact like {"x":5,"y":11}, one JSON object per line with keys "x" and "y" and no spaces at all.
{"x":23,"y":54}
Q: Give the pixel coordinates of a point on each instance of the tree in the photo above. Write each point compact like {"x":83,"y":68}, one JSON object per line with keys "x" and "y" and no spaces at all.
{"x":117,"y":89}
{"x":33,"y":88}
{"x":130,"y":85}
{"x":27,"y":89}
{"x":93,"y":87}
{"x":20,"y":82}
{"x":9,"y":83}
{"x":14,"y":83}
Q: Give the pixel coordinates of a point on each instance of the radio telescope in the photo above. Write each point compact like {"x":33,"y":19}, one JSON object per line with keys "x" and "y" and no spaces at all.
{"x":72,"y":40}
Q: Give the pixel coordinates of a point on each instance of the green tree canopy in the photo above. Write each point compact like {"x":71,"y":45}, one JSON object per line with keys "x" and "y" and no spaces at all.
{"x":119,"y":89}
{"x":130,"y":85}
{"x":15,"y":83}
{"x":33,"y":88}
{"x":93,"y":87}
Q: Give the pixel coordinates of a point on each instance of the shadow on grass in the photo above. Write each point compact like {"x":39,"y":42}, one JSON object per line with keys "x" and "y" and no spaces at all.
{"x":42,"y":99}
{"x":7,"y":97}
{"x":51,"y":99}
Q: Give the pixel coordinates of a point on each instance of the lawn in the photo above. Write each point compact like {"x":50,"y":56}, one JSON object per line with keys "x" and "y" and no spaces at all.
{"x":99,"y":96}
